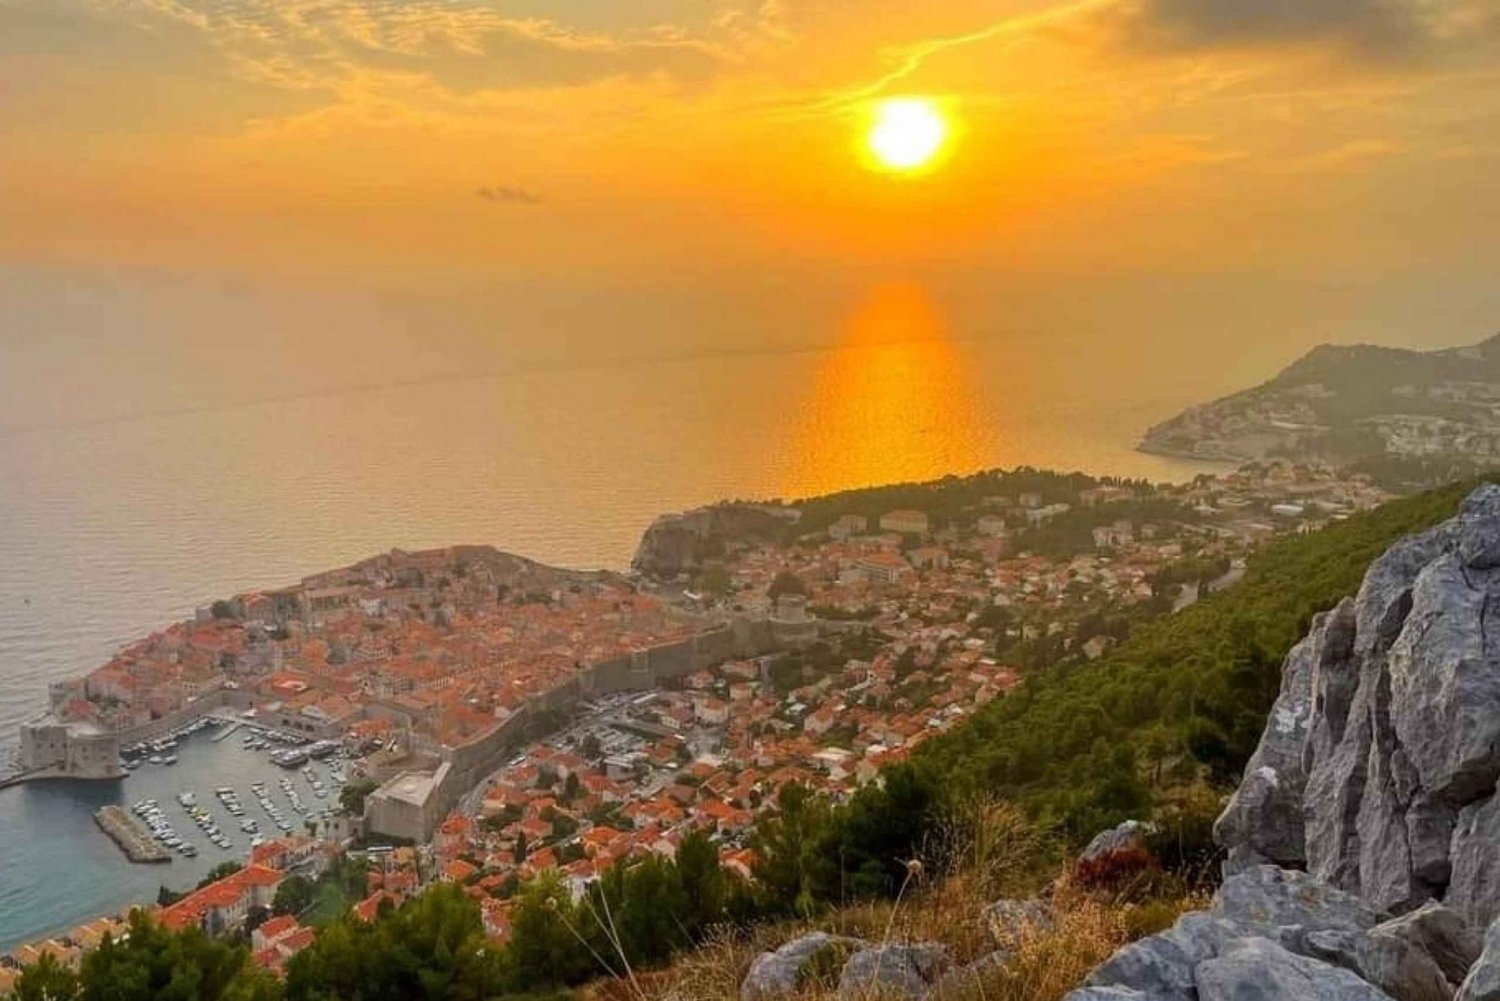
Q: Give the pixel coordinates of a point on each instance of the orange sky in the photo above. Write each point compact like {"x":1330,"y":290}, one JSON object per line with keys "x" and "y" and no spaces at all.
{"x":282,"y":135}
{"x":211,"y":200}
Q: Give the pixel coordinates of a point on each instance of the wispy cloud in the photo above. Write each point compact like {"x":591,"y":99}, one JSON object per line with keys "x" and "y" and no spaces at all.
{"x":906,"y":60}
{"x":460,"y":45}
{"x":507,"y":195}
{"x":1345,"y":158}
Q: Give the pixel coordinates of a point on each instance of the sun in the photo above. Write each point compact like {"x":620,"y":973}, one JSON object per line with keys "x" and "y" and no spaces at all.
{"x":908,"y":134}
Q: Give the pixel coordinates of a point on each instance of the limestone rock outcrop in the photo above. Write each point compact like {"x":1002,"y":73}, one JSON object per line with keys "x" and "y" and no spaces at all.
{"x":1257,"y":969}
{"x":677,"y":544}
{"x":905,"y":970}
{"x":1010,"y":921}
{"x":1483,"y":980}
{"x":1364,"y":840}
{"x":1271,"y":927}
{"x":1377,"y":769}
{"x":779,"y":973}
{"x":894,"y":971}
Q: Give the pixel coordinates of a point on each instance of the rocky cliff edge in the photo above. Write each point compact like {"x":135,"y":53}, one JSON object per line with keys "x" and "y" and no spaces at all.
{"x":1364,"y":841}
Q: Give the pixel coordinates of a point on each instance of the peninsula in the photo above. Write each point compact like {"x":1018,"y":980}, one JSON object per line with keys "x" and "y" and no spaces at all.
{"x":508,"y":719}
{"x":434,"y":667}
{"x":1414,"y":415}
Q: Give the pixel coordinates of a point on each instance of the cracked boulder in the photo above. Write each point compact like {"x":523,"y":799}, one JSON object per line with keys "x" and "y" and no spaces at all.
{"x":1258,"y":969}
{"x":902,"y":971}
{"x":780,"y":973}
{"x":1009,"y":921}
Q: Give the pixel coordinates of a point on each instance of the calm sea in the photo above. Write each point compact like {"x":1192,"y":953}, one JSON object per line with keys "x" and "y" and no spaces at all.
{"x":112,"y":529}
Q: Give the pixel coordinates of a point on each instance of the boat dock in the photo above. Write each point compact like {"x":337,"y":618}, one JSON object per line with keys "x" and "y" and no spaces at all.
{"x":231,"y":727}
{"x":137,"y":845}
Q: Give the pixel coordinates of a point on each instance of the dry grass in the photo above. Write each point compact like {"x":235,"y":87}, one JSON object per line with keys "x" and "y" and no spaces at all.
{"x":993,"y":853}
{"x":1086,"y":930}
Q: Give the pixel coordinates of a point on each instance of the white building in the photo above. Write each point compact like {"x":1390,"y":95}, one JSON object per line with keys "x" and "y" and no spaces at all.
{"x":905,"y":522}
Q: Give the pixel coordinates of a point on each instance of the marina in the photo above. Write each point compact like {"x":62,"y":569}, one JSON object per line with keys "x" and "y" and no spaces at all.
{"x":223,"y":798}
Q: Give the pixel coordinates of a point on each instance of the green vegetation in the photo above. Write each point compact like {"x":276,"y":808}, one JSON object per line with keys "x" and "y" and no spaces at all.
{"x":1183,"y":698}
{"x":1159,"y":725}
{"x":712,"y":579}
{"x":819,"y":660}
{"x":322,"y":901}
{"x":434,"y":947}
{"x":639,"y":914}
{"x":329,"y":903}
{"x":810,"y":854}
{"x":1072,"y":532}
{"x":152,"y":964}
{"x":293,"y":896}
{"x":352,"y":796}
{"x":787,"y":582}
{"x":950,"y":500}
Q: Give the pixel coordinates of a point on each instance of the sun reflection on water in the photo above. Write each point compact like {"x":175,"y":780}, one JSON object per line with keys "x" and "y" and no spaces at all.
{"x":891,"y":403}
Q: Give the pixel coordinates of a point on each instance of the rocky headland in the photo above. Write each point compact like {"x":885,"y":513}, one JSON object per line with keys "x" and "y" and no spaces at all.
{"x":1348,"y":404}
{"x":675,"y":544}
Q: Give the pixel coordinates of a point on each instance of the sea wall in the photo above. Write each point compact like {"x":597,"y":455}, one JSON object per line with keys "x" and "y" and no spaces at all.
{"x":213,"y":701}
{"x":641,"y":670}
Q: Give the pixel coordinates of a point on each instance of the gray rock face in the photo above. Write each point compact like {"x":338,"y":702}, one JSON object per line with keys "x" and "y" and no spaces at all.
{"x":1376,"y":773}
{"x":1483,"y":981}
{"x":1258,"y":969}
{"x":1165,"y":965}
{"x":900,"y":971}
{"x":1118,"y":841}
{"x":1443,"y":934}
{"x":1009,"y":920}
{"x":1377,"y":768}
{"x":1396,"y":965}
{"x":1265,"y":899}
{"x":1413,"y":958}
{"x":1264,"y":821}
{"x":1157,"y":963}
{"x":775,"y":974}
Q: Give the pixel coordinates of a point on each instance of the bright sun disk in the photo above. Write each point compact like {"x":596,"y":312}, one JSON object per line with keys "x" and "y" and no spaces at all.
{"x":908,"y":133}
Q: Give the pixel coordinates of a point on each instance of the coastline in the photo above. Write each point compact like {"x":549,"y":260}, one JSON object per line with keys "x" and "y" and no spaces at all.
{"x":403,"y":590}
{"x":1147,"y":447}
{"x":49,"y":775}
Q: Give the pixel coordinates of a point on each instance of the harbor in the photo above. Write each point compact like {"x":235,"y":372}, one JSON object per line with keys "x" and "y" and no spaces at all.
{"x":224,"y":771}
{"x":137,"y":845}
{"x":290,"y":752}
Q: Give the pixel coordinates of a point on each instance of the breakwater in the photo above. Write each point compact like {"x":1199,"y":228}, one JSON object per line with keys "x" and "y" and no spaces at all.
{"x":137,"y":845}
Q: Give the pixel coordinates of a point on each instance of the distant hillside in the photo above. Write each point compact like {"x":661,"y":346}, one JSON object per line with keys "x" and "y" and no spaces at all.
{"x":677,"y":544}
{"x":1428,"y":415}
{"x":1090,"y":744}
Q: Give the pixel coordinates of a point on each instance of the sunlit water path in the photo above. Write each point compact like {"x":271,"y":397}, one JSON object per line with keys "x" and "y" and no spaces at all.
{"x":112,"y":529}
